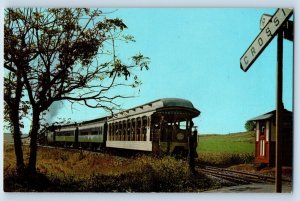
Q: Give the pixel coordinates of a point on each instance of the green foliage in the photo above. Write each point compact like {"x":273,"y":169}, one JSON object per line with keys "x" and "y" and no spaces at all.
{"x":250,"y":125}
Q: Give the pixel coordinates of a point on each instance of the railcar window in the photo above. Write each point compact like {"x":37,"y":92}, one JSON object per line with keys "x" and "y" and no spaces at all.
{"x":84,"y":133}
{"x":119,"y":130}
{"x":128,"y":130}
{"x":149,"y":121}
{"x":110,"y":132}
{"x":144,"y":128}
{"x":95,"y":133}
{"x":138,"y":131}
{"x":116,"y":131}
{"x":124,"y":130}
{"x":133,"y":128}
{"x":113,"y":131}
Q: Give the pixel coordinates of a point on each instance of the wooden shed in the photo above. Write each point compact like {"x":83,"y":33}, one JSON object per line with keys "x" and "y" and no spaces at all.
{"x":265,"y":140}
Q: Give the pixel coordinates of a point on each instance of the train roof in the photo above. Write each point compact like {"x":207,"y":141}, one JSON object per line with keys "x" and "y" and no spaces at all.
{"x":147,"y":107}
{"x":169,"y":102}
{"x":177,"y":102}
{"x":94,"y":120}
{"x":80,"y":123}
{"x":158,"y":104}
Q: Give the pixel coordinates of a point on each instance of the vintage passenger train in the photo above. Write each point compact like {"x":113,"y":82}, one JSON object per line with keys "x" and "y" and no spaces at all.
{"x":159,"y":126}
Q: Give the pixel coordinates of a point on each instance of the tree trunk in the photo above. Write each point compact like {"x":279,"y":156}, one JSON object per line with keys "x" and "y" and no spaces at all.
{"x":18,"y":145}
{"x":33,"y":141}
{"x":15,"y":120}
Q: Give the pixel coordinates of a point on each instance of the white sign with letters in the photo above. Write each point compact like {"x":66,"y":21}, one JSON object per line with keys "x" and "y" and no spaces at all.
{"x":265,"y":37}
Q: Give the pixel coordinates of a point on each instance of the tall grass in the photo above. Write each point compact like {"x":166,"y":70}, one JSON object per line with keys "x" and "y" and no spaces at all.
{"x":82,"y":171}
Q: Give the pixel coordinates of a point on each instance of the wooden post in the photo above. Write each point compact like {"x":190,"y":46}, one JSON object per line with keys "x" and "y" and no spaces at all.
{"x":279,"y":110}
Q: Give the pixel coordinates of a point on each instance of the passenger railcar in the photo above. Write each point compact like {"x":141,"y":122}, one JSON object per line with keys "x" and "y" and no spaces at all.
{"x":65,"y":136}
{"x":158,"y":126}
{"x":161,"y":125}
{"x":92,"y":134}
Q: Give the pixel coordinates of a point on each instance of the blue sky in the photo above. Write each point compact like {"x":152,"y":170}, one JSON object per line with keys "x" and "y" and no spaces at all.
{"x":195,"y":54}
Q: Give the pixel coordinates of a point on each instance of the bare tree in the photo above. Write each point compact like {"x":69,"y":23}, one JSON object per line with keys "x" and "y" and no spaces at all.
{"x":66,"y":54}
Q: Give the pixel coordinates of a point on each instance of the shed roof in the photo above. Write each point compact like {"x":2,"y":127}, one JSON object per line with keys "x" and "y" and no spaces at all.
{"x":268,"y":115}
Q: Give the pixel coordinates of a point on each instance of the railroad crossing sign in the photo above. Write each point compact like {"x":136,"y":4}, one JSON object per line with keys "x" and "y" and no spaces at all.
{"x":271,"y":27}
{"x":265,"y":37}
{"x":288,"y":26}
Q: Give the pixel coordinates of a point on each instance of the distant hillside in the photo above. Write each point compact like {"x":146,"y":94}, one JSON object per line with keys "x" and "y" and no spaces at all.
{"x":242,"y":142}
{"x":7,"y":137}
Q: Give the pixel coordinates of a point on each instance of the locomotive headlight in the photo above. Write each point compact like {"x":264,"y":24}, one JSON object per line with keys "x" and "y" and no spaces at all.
{"x":180,"y":136}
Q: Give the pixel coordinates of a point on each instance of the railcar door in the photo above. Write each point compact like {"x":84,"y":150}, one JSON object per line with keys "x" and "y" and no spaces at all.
{"x":155,"y":134}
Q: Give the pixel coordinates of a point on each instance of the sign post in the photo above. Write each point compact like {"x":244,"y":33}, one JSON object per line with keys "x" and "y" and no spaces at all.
{"x":272,"y":25}
{"x":279,"y":109}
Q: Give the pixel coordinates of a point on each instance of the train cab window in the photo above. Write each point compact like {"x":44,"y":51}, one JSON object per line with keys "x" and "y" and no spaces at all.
{"x":183,"y":125}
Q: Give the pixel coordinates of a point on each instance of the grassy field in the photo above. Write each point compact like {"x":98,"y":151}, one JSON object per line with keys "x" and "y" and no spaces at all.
{"x":230,"y":143}
{"x":227,"y":149}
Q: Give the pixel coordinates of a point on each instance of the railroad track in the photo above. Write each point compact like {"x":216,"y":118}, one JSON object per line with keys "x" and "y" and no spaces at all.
{"x":238,"y":177}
